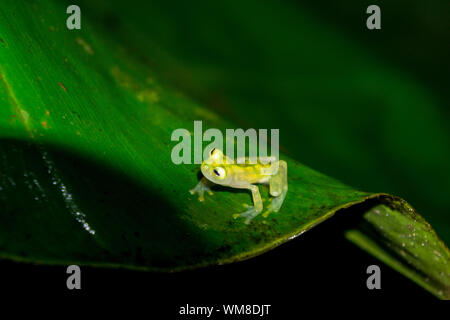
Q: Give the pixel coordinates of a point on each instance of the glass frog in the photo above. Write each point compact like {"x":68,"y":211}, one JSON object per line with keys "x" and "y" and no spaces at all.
{"x":219,"y":169}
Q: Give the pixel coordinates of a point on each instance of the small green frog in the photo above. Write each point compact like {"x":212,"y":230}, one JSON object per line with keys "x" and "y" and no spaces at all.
{"x":219,"y":169}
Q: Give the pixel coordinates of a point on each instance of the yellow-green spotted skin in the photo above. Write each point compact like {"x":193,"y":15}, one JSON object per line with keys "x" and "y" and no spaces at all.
{"x":219,"y":169}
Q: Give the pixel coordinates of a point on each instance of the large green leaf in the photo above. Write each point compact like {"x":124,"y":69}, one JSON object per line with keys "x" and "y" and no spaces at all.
{"x":86,"y":173}
{"x":342,"y":106}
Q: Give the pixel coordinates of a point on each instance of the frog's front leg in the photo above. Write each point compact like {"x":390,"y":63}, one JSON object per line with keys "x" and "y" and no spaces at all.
{"x":254,"y":210}
{"x":278,"y":188}
{"x":201,"y":187}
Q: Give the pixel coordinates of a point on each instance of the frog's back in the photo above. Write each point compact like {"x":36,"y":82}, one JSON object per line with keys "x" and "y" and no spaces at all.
{"x":249,"y":173}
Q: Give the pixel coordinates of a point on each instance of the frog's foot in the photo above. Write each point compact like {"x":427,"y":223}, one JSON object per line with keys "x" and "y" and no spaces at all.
{"x":200,"y":189}
{"x":274,"y":205}
{"x":249,"y":214}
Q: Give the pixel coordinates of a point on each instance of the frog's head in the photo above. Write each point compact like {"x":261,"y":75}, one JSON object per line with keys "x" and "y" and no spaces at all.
{"x":214,"y":168}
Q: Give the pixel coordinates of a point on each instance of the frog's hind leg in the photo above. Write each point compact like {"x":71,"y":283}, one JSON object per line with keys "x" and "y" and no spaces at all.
{"x":278,"y":188}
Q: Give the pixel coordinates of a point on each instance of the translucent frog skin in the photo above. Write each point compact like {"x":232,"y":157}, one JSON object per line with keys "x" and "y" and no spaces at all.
{"x":219,"y":169}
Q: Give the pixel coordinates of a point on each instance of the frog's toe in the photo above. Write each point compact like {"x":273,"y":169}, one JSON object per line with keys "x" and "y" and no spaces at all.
{"x":200,"y":194}
{"x":274,"y":206}
{"x":249,"y":214}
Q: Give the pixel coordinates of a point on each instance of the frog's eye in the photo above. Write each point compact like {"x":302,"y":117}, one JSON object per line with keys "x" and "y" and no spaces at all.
{"x":219,"y":172}
{"x":216,"y":155}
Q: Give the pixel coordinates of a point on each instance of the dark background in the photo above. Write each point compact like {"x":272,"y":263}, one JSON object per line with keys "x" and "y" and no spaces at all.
{"x":319,"y":265}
